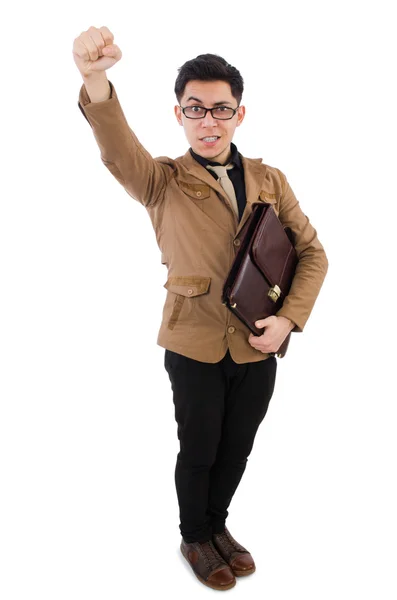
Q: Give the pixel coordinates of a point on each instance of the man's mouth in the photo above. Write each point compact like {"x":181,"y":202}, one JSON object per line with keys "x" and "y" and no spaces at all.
{"x":210,"y":139}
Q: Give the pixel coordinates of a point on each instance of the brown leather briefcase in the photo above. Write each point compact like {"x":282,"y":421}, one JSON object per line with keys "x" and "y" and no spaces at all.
{"x":262,"y":271}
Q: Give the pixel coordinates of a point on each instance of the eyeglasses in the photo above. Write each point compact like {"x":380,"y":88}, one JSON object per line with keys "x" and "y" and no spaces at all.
{"x":199,"y":112}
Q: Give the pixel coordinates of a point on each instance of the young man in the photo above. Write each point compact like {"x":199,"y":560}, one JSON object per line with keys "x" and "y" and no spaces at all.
{"x":222,"y":377}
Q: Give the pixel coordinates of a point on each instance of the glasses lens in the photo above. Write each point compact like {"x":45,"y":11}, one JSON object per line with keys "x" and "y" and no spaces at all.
{"x":223,"y":112}
{"x":194,"y":112}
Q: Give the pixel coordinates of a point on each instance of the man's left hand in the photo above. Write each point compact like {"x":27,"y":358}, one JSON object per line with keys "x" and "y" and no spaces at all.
{"x":276,"y":330}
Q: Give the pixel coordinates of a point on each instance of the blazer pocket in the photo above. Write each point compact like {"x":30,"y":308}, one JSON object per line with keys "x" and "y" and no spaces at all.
{"x":197,"y":191}
{"x":271,"y":199}
{"x":184,"y":286}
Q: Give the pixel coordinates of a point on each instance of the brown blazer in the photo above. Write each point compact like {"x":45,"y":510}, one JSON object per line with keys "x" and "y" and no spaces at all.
{"x":198,"y":234}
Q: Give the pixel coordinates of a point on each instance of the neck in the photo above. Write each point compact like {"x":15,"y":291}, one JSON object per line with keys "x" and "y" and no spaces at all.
{"x":221,"y":159}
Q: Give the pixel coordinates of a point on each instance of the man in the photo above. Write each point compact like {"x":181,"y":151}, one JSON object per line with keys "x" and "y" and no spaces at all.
{"x":222,"y":377}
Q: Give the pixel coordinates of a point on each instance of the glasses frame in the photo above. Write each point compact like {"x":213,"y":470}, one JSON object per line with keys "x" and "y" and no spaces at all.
{"x":210,"y":110}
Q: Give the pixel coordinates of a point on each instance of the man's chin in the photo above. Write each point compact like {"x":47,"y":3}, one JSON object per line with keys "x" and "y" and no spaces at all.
{"x":209,"y":153}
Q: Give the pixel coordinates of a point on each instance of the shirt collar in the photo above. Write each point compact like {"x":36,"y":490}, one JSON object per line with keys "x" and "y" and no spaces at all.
{"x":234,"y":158}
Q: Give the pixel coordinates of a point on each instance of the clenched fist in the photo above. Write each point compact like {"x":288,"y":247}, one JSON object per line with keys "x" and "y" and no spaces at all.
{"x":94,"y":51}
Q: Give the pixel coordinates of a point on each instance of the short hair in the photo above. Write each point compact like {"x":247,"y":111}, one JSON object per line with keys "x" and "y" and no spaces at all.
{"x":209,"y":67}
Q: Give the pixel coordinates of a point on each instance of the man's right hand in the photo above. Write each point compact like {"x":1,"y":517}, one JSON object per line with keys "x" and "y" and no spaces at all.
{"x":94,"y":51}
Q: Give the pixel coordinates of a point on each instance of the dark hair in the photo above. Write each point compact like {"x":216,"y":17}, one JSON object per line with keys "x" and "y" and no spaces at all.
{"x":209,"y":67}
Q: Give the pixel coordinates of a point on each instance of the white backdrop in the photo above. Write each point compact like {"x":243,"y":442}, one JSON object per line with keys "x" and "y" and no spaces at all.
{"x":88,"y":441}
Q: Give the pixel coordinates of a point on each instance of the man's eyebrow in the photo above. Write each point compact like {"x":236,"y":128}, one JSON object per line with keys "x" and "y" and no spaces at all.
{"x":215,"y":103}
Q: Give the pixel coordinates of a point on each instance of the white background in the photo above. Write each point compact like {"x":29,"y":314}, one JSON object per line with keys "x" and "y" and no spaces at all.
{"x":88,"y":443}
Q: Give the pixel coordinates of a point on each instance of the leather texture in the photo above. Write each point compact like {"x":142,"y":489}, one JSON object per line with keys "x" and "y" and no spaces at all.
{"x":236,"y":556}
{"x":207,"y":564}
{"x":266,"y":258}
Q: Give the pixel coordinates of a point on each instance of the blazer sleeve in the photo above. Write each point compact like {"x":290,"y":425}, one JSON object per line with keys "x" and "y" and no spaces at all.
{"x":143,"y":177}
{"x":312,"y":264}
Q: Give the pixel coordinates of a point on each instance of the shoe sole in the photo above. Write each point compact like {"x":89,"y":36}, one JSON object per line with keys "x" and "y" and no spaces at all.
{"x":243,"y":573}
{"x":212,"y":586}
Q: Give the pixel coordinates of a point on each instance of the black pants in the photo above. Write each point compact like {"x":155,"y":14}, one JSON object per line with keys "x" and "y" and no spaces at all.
{"x":218,"y":409}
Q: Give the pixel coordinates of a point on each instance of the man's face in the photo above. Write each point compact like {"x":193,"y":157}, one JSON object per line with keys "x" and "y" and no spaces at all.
{"x":209,"y":94}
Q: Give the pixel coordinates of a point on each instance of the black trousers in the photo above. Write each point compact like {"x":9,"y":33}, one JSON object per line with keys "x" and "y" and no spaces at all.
{"x":218,"y":409}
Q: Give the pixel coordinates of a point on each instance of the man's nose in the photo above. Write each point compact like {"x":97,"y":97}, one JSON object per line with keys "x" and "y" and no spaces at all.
{"x":208,"y":120}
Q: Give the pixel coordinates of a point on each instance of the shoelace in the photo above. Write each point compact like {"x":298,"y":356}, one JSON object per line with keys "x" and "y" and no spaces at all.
{"x":230,"y":543}
{"x":211,"y":556}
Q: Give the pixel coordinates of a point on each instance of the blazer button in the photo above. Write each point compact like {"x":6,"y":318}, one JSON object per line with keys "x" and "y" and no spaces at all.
{"x":198,"y":194}
{"x":236,"y":242}
{"x":190,"y":292}
{"x":231,"y":329}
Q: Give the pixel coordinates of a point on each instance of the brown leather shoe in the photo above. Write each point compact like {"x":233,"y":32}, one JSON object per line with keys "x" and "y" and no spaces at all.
{"x":236,"y":556}
{"x":208,"y":566}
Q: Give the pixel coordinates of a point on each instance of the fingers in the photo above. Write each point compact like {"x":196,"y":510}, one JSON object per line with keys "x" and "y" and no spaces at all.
{"x":90,"y":44}
{"x":264,"y":322}
{"x":95,"y":43}
{"x":263,"y":343}
{"x":101,"y":38}
{"x":112,"y":51}
{"x":107,"y":35}
{"x":85,"y":48}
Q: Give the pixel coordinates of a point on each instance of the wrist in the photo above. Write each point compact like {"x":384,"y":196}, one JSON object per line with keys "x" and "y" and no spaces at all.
{"x":97,"y":86}
{"x":290,"y":323}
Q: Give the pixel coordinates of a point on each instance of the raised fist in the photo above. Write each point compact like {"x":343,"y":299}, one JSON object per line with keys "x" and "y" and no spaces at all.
{"x":94,"y":51}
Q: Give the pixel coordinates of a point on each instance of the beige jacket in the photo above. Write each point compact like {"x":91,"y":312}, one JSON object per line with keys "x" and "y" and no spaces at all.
{"x":198,"y":234}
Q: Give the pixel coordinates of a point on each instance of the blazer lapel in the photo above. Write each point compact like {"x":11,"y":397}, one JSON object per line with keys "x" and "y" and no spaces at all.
{"x":254,"y":174}
{"x":215,"y":211}
{"x":199,"y":172}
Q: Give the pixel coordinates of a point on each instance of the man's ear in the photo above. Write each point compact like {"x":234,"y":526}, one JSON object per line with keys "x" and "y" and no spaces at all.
{"x":178,"y":114}
{"x":240,"y":115}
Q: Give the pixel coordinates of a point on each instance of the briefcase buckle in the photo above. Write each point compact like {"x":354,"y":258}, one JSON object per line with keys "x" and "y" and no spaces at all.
{"x":274,"y":293}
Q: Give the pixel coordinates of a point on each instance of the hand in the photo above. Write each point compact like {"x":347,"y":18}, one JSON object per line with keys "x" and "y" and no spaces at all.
{"x":277,"y":329}
{"x":94,"y":51}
